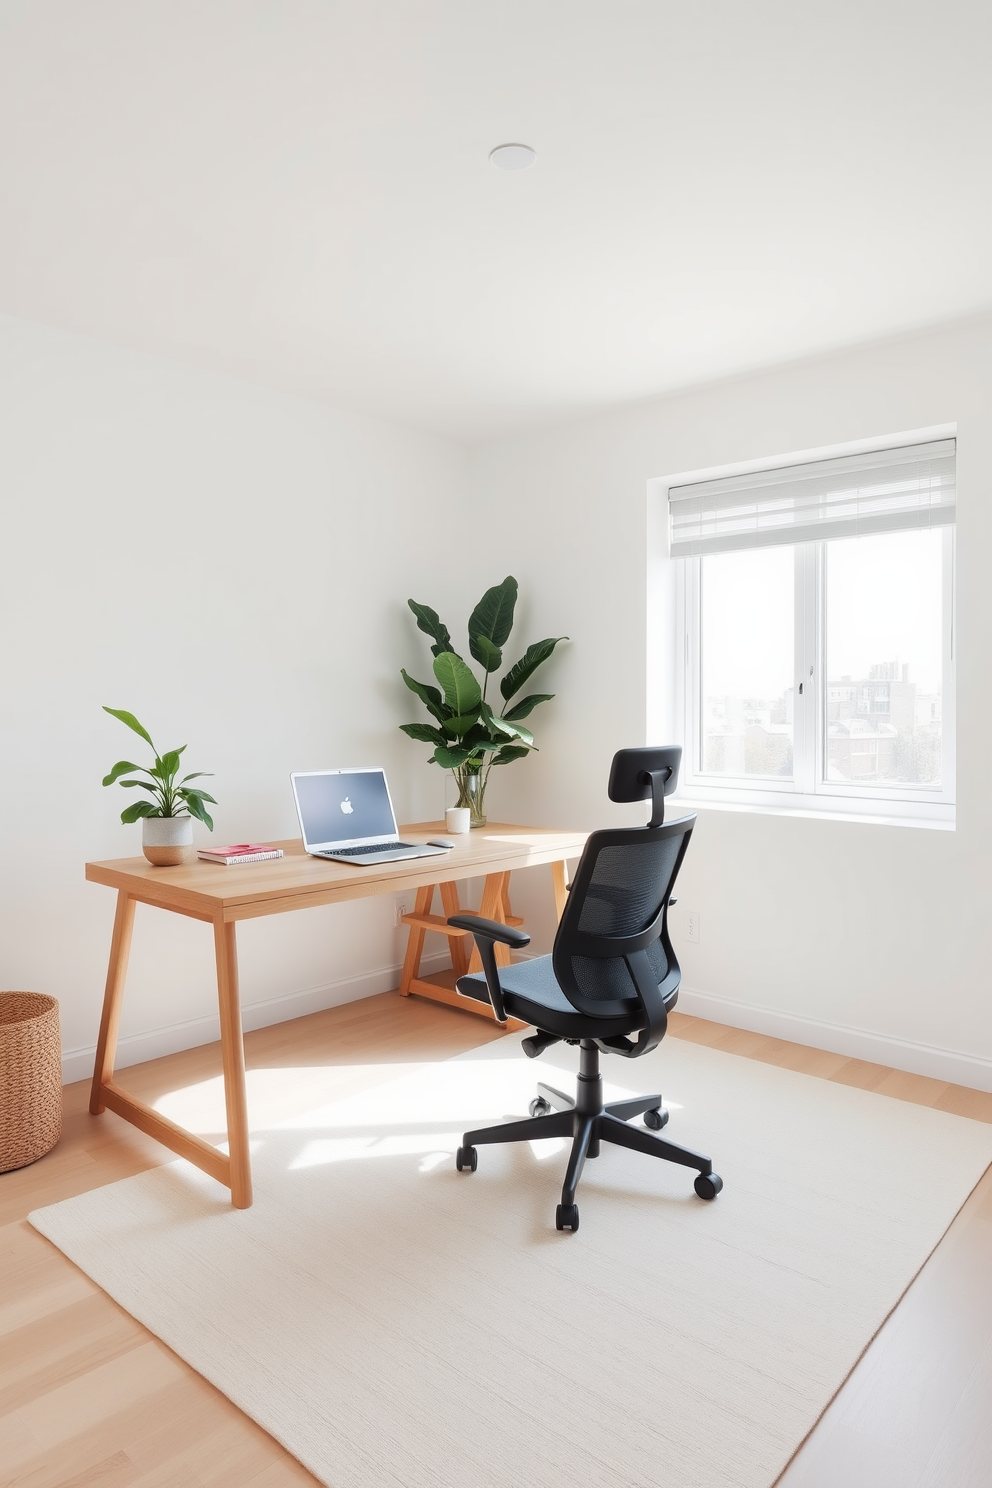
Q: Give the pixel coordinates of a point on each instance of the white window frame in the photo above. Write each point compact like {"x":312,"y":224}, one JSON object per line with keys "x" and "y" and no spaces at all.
{"x":808,"y":793}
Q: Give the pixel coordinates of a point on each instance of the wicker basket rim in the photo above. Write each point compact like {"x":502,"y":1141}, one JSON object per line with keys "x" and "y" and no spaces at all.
{"x":35,"y":1005}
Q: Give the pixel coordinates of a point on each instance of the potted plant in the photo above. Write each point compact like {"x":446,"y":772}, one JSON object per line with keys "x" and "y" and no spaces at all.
{"x":167,"y":818}
{"x":468,"y":735}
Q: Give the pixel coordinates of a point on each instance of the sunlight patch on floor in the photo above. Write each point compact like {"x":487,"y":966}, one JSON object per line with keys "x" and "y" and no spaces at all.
{"x":436,"y":1147}
{"x":324,"y":1114}
{"x":275,"y":1095}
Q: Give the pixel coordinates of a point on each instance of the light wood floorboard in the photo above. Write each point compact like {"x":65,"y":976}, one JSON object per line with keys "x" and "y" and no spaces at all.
{"x":89,"y":1397}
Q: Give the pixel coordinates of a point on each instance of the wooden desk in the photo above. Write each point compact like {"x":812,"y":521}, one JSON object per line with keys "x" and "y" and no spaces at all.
{"x":222,"y":896}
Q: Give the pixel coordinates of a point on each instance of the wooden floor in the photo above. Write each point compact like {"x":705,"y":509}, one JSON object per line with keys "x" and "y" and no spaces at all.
{"x":88,"y":1397}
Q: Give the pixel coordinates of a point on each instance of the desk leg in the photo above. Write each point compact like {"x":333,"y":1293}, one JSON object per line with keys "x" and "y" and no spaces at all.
{"x":456,"y":944}
{"x":415,"y":941}
{"x":233,"y":1054}
{"x":106,"y":1049}
{"x":559,"y":877}
{"x":495,"y":894}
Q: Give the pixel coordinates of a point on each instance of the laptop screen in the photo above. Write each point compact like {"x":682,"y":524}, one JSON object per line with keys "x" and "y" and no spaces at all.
{"x":343,"y":807}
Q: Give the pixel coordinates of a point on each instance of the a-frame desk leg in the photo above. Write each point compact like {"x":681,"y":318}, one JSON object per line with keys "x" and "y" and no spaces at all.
{"x":110,"y":1020}
{"x":456,"y":945}
{"x":495,"y":905}
{"x":232,"y":1044}
{"x":559,"y":879}
{"x":235,"y":1170}
{"x":415,"y":938}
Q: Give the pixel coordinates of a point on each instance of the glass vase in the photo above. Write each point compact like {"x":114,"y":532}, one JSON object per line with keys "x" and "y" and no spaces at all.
{"x":468,"y":788}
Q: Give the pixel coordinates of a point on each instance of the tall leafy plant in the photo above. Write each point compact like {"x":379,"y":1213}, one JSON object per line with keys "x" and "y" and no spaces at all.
{"x":169,"y":795}
{"x":469,"y":735}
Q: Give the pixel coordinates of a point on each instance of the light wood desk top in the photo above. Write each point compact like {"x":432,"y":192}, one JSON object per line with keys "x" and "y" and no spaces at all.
{"x":212,"y":891}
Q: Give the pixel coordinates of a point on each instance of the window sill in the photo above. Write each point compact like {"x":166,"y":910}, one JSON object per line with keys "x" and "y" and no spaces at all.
{"x":932,"y":816}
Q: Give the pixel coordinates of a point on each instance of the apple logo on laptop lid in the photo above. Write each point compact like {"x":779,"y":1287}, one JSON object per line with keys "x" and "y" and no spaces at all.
{"x":346,"y":806}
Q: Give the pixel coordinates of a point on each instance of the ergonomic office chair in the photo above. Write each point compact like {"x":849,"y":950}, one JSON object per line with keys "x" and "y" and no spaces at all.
{"x":608,"y":984}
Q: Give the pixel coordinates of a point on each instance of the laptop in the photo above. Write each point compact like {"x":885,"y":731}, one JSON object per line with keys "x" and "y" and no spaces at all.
{"x":346,"y":815}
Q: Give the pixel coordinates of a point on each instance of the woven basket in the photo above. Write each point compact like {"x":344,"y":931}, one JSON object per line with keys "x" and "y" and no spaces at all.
{"x":30,"y":1078}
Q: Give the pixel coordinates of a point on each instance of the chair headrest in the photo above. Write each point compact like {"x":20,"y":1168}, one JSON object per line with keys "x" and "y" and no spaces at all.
{"x":646,"y":774}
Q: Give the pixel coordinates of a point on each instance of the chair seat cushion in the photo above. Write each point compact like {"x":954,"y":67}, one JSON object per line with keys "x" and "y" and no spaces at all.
{"x":531,"y":993}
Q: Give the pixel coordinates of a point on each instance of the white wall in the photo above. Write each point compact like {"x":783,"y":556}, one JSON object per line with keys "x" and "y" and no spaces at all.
{"x":872,"y":940}
{"x":139,"y":499}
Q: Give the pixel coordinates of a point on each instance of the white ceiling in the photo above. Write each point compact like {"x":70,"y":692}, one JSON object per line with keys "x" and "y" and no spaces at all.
{"x":299,"y":190}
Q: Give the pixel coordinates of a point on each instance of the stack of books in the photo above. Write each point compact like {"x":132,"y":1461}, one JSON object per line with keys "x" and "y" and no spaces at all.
{"x":239,"y":852}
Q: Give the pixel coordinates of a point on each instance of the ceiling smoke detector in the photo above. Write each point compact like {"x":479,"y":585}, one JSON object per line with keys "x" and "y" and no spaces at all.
{"x":512,"y":157}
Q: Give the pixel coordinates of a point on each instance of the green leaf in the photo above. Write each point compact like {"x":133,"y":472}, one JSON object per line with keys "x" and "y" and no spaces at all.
{"x":196,"y":775}
{"x":517,"y":731}
{"x":122,"y":767}
{"x":193,"y":792}
{"x":478,"y":737}
{"x":131,"y":722}
{"x":148,"y":785}
{"x":485,"y":652}
{"x":450,"y":759}
{"x":492,"y":618}
{"x":170,"y":762}
{"x":462,"y":692}
{"x":528,"y":664}
{"x":502,"y":729}
{"x":138,"y":810}
{"x":429,"y":622}
{"x":521,"y":709}
{"x":424,"y":733}
{"x":196,"y":808}
{"x":429,"y":696}
{"x":510,"y":752}
{"x":494,"y":724}
{"x":461,"y":723}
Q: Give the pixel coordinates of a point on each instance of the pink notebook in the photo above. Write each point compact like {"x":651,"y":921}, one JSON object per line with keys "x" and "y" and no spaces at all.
{"x":239,"y":852}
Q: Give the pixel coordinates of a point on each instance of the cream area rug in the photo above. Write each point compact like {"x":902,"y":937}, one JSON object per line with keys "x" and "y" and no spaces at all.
{"x":396,"y":1324}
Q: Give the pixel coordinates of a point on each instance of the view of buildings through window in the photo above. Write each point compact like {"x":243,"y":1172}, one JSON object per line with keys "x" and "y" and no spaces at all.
{"x":880,"y":692}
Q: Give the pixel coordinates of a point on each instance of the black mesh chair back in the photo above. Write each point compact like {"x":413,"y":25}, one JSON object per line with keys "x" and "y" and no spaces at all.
{"x":613,"y":937}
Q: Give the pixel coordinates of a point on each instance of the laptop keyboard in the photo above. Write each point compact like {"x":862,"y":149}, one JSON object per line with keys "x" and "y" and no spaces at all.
{"x":369,"y":847}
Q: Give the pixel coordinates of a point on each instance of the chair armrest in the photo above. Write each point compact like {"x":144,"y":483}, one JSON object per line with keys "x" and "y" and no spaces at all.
{"x":487,"y":933}
{"x":491,"y":930}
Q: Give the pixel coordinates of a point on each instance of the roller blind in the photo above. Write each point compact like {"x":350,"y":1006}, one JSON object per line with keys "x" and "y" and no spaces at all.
{"x":889,"y":490}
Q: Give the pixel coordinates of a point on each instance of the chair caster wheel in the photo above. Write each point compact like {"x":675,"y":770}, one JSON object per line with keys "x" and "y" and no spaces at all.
{"x":708,"y":1185}
{"x":466,"y":1158}
{"x":655,"y":1119}
{"x":539,"y":1106}
{"x":567,"y":1217}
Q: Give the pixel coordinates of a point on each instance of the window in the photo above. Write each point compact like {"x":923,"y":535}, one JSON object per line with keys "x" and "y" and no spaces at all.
{"x":816,"y":609}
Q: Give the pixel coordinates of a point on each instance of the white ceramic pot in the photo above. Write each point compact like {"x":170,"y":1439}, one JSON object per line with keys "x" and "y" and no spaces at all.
{"x":167,"y":841}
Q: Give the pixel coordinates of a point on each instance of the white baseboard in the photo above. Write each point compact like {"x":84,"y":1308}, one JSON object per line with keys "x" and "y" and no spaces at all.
{"x":856,"y":1043}
{"x":77,"y":1064}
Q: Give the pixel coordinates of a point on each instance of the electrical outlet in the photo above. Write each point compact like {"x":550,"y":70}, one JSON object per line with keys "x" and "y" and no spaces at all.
{"x":692,"y":926}
{"x":400,"y":912}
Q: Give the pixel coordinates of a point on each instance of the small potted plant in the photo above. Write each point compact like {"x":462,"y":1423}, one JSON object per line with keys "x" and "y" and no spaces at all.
{"x":167,"y":818}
